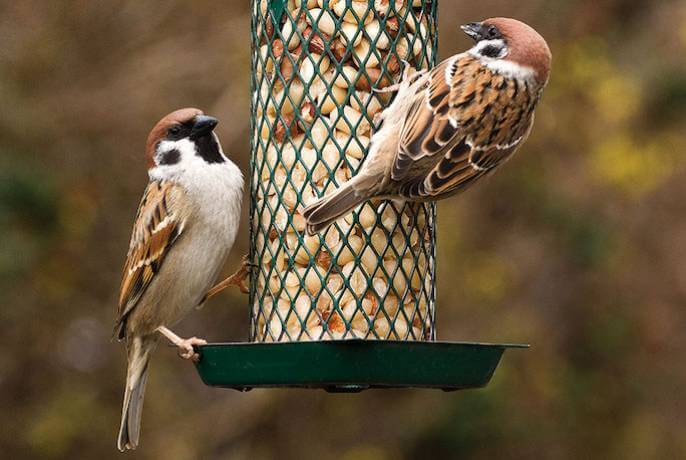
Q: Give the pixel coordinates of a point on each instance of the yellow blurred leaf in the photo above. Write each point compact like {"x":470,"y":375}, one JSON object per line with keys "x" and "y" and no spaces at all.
{"x":61,"y":422}
{"x":366,"y":452}
{"x":635,"y":169}
{"x":586,"y":61}
{"x":488,"y":278}
{"x":617,"y":97}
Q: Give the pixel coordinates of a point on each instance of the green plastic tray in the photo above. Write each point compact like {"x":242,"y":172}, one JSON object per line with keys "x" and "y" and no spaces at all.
{"x":350,"y":365}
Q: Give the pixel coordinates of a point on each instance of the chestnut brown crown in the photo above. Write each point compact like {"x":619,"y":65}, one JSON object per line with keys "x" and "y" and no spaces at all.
{"x":159,"y":132}
{"x":526,"y":47}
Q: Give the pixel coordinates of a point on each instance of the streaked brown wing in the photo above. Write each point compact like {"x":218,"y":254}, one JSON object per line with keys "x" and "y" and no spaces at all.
{"x":458,"y":169}
{"x":160,"y":221}
{"x":466,"y":121}
{"x":427,"y":129}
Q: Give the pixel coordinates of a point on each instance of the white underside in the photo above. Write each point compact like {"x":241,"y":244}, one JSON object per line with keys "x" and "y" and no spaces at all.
{"x":214,"y":194}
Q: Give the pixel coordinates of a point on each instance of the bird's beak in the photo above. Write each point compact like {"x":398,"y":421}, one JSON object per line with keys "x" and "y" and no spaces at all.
{"x":203,"y":125}
{"x":473,"y":29}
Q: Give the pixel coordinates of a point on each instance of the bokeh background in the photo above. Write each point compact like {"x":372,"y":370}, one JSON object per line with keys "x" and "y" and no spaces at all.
{"x":578,"y":246}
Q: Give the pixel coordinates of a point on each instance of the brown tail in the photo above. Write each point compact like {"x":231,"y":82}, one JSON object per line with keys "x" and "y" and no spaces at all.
{"x":139,"y":353}
{"x":326,"y":210}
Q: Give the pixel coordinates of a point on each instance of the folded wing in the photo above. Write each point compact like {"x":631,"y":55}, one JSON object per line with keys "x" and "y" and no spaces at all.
{"x":464,"y":122}
{"x":160,"y":222}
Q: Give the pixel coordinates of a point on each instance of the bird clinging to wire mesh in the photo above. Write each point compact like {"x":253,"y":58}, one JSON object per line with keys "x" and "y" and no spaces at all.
{"x":449,"y":127}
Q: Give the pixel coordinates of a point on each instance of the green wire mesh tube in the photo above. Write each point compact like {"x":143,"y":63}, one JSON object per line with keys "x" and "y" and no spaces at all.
{"x":316,"y":66}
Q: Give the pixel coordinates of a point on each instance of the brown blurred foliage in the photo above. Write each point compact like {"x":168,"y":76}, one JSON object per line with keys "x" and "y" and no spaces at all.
{"x":577,"y":246}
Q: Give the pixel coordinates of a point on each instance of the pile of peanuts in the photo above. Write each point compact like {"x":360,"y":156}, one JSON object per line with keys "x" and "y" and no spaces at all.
{"x":370,"y":274}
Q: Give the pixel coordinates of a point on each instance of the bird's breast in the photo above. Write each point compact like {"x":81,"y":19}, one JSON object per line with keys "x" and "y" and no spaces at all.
{"x":493,"y":109}
{"x":192,"y":267}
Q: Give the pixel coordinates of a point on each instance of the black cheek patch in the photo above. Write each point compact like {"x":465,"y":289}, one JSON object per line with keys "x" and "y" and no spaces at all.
{"x":491,"y":51}
{"x":170,"y":158}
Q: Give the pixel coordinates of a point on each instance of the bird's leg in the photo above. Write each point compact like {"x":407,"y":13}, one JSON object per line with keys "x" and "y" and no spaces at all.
{"x":388,"y":89}
{"x":407,"y":68}
{"x":409,"y":76}
{"x":378,"y":118}
{"x":237,"y":279}
{"x":391,"y":88}
{"x":185,"y":346}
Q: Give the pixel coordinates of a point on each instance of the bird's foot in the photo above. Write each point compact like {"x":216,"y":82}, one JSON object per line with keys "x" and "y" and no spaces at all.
{"x":185,"y":346}
{"x":186,"y":350}
{"x":408,"y":77}
{"x":238,"y":279}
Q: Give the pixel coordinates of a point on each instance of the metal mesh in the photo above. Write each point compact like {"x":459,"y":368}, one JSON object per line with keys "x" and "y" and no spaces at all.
{"x":371,"y":274}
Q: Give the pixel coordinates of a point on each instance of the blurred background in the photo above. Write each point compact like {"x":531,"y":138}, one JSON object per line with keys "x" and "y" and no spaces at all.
{"x":578,"y":246}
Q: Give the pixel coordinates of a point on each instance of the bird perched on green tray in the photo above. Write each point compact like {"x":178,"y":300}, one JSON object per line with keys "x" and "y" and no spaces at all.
{"x":185,"y":227}
{"x":449,"y":127}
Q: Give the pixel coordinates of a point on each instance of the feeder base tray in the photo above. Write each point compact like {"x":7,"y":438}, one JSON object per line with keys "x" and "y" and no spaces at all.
{"x":350,"y":365}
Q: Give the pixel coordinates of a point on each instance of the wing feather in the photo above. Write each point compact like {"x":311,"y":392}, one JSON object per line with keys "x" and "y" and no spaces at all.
{"x":160,"y":221}
{"x":464,"y":121}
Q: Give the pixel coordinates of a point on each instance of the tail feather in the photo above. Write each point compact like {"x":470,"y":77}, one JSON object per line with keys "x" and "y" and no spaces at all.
{"x":136,"y":378}
{"x":328,"y":209}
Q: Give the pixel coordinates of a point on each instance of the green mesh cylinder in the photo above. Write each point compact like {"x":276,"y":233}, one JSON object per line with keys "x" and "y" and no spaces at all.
{"x":315,"y":67}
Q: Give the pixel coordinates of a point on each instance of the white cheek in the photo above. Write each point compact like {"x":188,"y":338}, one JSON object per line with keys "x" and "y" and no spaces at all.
{"x":478,"y":49}
{"x":187,"y":159}
{"x":500,"y":64}
{"x":185,"y":146}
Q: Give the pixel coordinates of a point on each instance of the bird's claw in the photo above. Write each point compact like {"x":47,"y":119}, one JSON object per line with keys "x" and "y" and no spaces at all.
{"x":238,"y":279}
{"x":406,"y":65}
{"x":243,"y":274}
{"x":245,"y":262}
{"x":408,"y":76}
{"x":186,"y":350}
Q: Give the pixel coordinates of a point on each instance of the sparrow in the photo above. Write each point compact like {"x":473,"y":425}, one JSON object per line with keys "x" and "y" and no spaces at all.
{"x":450,"y":126}
{"x":185,"y":227}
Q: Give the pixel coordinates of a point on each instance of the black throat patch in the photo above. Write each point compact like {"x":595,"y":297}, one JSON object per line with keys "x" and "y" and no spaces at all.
{"x":208,"y":149}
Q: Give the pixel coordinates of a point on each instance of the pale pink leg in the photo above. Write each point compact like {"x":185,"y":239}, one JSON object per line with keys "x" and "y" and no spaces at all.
{"x":185,"y":346}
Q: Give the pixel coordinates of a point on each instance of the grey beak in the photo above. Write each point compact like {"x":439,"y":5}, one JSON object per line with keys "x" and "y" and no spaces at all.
{"x":202,"y":126}
{"x":473,"y":29}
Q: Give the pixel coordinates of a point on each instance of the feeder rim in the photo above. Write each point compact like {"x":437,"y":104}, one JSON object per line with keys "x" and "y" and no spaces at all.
{"x":357,"y":340}
{"x":350,"y":365}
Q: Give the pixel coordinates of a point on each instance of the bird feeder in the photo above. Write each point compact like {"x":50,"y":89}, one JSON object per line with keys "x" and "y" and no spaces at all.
{"x":353,"y":307}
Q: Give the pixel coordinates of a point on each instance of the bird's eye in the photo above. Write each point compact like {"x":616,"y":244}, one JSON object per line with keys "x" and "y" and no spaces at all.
{"x":492,"y":32}
{"x":174,"y":130}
